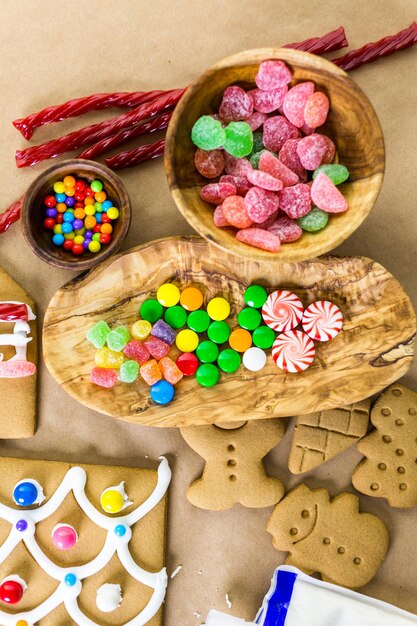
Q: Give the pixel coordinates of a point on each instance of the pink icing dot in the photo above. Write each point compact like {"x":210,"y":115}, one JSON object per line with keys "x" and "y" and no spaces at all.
{"x":64,"y":537}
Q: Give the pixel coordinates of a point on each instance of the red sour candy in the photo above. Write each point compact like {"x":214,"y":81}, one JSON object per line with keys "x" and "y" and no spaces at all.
{"x":316,"y":109}
{"x":156,"y":347}
{"x":295,"y":201}
{"x":271,"y":165}
{"x":260,"y":204}
{"x":295,"y":102}
{"x":289,"y":156}
{"x":268,"y":101}
{"x":236,"y":105}
{"x":264,"y":180}
{"x":215,"y":193}
{"x":136,"y":351}
{"x":240,"y":182}
{"x":272,"y":75}
{"x":311,"y":150}
{"x":256,"y":120}
{"x":236,"y":167}
{"x":234,"y":211}
{"x":307,"y":130}
{"x":209,"y":163}
{"x":278,"y":130}
{"x":330,"y":151}
{"x":326,"y":195}
{"x":269,"y":221}
{"x":103,"y":377}
{"x":286,"y":229}
{"x":219,"y":219}
{"x":259,"y":238}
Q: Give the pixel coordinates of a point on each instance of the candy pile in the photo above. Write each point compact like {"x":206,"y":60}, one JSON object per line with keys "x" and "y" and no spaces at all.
{"x":80,"y":215}
{"x":274,"y":173}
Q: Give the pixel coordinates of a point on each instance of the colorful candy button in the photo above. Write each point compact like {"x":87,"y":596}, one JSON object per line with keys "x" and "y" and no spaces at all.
{"x":229,"y":360}
{"x":191,"y":298}
{"x":249,"y":318}
{"x":70,"y":579}
{"x":207,"y":375}
{"x":167,"y":294}
{"x":218,"y":309}
{"x":141,"y":329}
{"x":187,"y":340}
{"x":175,"y":316}
{"x":28,"y":492}
{"x":219,"y":332}
{"x":120,"y":530}
{"x":263,"y":337}
{"x":21,"y":525}
{"x":162,"y":392}
{"x":255,"y":296}
{"x":151,"y":310}
{"x":240,"y":339}
{"x":22,"y":622}
{"x":254,"y":359}
{"x":64,"y":537}
{"x":187,"y":363}
{"x":12,"y":589}
{"x":114,"y":499}
{"x":207,"y":351}
{"x":199,"y":321}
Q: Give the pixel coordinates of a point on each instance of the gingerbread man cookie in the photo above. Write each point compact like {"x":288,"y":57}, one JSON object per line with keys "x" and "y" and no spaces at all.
{"x":234,"y":471}
{"x":329,"y":536}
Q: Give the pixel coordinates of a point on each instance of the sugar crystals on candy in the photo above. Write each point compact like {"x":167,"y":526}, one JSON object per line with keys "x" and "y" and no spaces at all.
{"x":136,"y":350}
{"x":208,"y":133}
{"x":98,"y":334}
{"x":215,"y":193}
{"x":326,"y":195}
{"x":295,"y":102}
{"x":271,"y":165}
{"x":264,"y":180}
{"x":268,"y":101}
{"x":278,"y":130}
{"x":234,"y":211}
{"x":316,"y":109}
{"x":103,"y":377}
{"x":236,"y":105}
{"x":259,"y":238}
{"x":150,"y":372}
{"x":118,"y":338}
{"x":314,"y":221}
{"x":156,"y":347}
{"x":209,"y":163}
{"x":311,"y":150}
{"x":286,"y":229}
{"x":273,"y":74}
{"x":129,"y":371}
{"x":239,"y":139}
{"x":337,"y":173}
{"x":295,"y":201}
{"x":163,"y":331}
{"x":260,"y":204}
{"x":170,"y":370}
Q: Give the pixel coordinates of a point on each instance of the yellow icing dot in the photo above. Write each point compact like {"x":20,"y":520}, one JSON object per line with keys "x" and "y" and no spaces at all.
{"x":112,"y":501}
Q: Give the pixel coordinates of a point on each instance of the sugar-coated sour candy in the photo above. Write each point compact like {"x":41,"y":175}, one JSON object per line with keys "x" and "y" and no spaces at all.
{"x":129,"y":371}
{"x":141,"y":329}
{"x":259,"y":205}
{"x":215,"y":193}
{"x":312,"y":150}
{"x":295,"y":102}
{"x":235,"y":212}
{"x":236,"y":105}
{"x":98,"y":333}
{"x":259,"y":239}
{"x":273,"y":74}
{"x":170,"y":370}
{"x":240,"y":182}
{"x":118,"y":338}
{"x":103,"y":377}
{"x":209,"y":163}
{"x":239,"y":139}
{"x":287,"y":229}
{"x":288,"y":155}
{"x":256,"y":120}
{"x":316,"y":109}
{"x":108,"y":359}
{"x":322,"y":320}
{"x":282,"y":311}
{"x":150,"y":372}
{"x":208,"y":133}
{"x":278,"y":130}
{"x":156,"y":347}
{"x":264,"y":180}
{"x":137,"y":351}
{"x":337,"y":173}
{"x":271,"y":165}
{"x":295,"y":201}
{"x":267,"y":101}
{"x":236,"y":167}
{"x":162,"y":392}
{"x":326,"y":195}
{"x":314,"y":221}
{"x":163,"y":331}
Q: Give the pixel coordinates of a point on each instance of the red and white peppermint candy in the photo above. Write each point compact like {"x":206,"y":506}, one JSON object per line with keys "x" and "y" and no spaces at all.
{"x":293,"y":351}
{"x":282,"y":310}
{"x":322,"y":320}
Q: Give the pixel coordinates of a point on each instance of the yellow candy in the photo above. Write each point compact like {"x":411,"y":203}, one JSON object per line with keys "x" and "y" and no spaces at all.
{"x":69,"y":236}
{"x":113,"y":213}
{"x":186,"y":340}
{"x":59,"y":187}
{"x":218,"y":309}
{"x":58,"y":229}
{"x":168,"y":294}
{"x":22,"y":622}
{"x":94,"y":246}
{"x":89,"y":209}
{"x":108,"y":359}
{"x":141,"y":329}
{"x":112,"y":501}
{"x":78,"y":238}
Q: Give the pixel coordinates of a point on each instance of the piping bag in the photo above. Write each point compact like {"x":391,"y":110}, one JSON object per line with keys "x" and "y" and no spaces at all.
{"x":295,"y":599}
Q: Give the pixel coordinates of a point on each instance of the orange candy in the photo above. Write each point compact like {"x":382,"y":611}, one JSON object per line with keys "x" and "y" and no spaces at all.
{"x":79,"y":214}
{"x":89,"y":200}
{"x":235,"y":213}
{"x":107,"y":228}
{"x":240,"y":340}
{"x":69,"y":181}
{"x":90,"y":221}
{"x":61,"y":207}
{"x":100,"y":196}
{"x":170,"y":370}
{"x":191,"y":299}
{"x":150,"y":372}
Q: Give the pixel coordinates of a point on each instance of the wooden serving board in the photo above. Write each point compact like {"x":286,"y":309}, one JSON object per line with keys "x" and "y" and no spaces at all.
{"x":374,"y":349}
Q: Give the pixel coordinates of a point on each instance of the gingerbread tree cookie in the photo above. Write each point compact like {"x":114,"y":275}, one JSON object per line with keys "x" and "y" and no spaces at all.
{"x":234,"y":471}
{"x":320,"y":436}
{"x":329,"y":536}
{"x":390,"y":467}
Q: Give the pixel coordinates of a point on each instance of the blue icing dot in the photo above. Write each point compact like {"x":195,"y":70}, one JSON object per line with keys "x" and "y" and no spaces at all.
{"x":120,"y":530}
{"x":25,"y":493}
{"x":70,"y":580}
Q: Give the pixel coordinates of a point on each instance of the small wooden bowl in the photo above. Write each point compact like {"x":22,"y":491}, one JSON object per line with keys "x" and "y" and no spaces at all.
{"x":352,"y":124}
{"x":33,"y":213}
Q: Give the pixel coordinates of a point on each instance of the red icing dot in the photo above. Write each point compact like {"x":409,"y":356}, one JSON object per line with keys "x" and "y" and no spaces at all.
{"x":259,"y":238}
{"x":295,"y":201}
{"x":11,"y":592}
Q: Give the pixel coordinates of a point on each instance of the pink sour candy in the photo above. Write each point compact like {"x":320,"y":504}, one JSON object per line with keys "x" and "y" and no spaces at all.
{"x":209,"y":163}
{"x":259,"y":238}
{"x":150,"y":372}
{"x":269,"y":221}
{"x":316,"y":109}
{"x":236,"y":167}
{"x":295,"y":201}
{"x":170,"y":370}
{"x":307,"y":130}
{"x":288,"y":155}
{"x":136,"y":351}
{"x":260,"y":204}
{"x":16,"y":368}
{"x":256,"y":120}
{"x":268,"y":101}
{"x":264,"y":180}
{"x":156,"y":347}
{"x":236,"y":105}
{"x":271,"y":165}
{"x":215,"y":193}
{"x":103,"y":377}
{"x":277,"y":131}
{"x":272,"y":75}
{"x":295,"y":102}
{"x":330,"y":151}
{"x":234,"y":211}
{"x":311,"y":150}
{"x":286,"y":229}
{"x":219,"y":219}
{"x":240,"y":182}
{"x":326,"y":195}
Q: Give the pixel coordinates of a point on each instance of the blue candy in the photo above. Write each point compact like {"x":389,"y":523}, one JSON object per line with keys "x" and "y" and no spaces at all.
{"x":162,"y":392}
{"x":25,"y":493}
{"x":60,"y":197}
{"x":58,"y":239}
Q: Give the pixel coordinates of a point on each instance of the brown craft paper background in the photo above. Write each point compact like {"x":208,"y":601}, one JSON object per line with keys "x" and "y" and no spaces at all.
{"x":52,"y":51}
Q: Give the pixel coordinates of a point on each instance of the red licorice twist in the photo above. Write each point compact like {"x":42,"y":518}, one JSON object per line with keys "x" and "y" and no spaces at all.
{"x":10,"y":215}
{"x":137,"y":155}
{"x":334,"y":40}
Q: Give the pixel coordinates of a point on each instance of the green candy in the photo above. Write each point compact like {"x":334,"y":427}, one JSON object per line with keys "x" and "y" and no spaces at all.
{"x":255,"y":296}
{"x":118,"y":338}
{"x":98,"y":334}
{"x":208,"y":133}
{"x":151,"y":310}
{"x":129,"y":371}
{"x":229,"y":360}
{"x":263,"y":337}
{"x":239,"y":139}
{"x":207,"y":352}
{"x":337,"y":173}
{"x":249,"y":318}
{"x":198,"y":321}
{"x":219,"y":332}
{"x":207,"y":375}
{"x":314,"y":221}
{"x":255,"y":158}
{"x":258,"y":142}
{"x":175,"y":316}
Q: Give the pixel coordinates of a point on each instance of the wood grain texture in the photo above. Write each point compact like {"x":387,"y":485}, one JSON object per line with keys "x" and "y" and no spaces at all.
{"x":352,"y":124}
{"x":374,"y":349}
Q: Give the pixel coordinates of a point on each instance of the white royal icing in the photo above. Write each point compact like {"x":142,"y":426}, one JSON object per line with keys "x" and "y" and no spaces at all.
{"x":109,"y":597}
{"x":18,"y":339}
{"x":39,"y":488}
{"x":17,"y":579}
{"x":75,"y":480}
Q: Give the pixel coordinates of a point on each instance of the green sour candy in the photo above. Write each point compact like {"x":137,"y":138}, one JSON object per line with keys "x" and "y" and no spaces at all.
{"x":239,"y":139}
{"x":337,"y":173}
{"x":98,"y":334}
{"x":258,"y":142}
{"x":208,"y":133}
{"x":118,"y":338}
{"x":255,"y":158}
{"x":129,"y":371}
{"x":314,"y":221}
